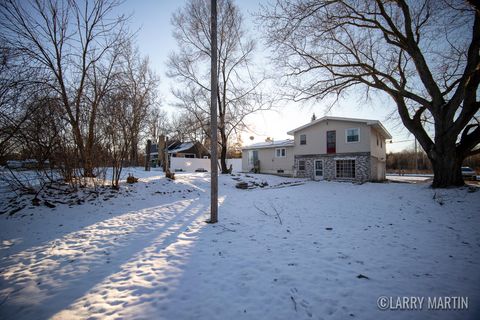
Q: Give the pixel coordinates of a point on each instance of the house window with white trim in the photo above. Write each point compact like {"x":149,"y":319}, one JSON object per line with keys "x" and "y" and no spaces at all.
{"x":352,"y":135}
{"x":345,"y":168}
{"x":303,"y":139}
{"x":301,"y":165}
{"x":280,"y":153}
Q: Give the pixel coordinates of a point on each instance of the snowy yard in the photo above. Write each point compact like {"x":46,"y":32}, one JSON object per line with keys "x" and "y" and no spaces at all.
{"x":410,"y":178}
{"x":288,"y":250}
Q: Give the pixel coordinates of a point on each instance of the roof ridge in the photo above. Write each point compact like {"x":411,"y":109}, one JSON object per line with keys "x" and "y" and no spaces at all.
{"x":326,"y":118}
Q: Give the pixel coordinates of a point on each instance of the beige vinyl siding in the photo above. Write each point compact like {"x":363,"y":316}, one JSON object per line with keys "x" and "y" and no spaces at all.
{"x":317,"y":136}
{"x":377,"y":169}
{"x":245,"y":166}
{"x":268,"y":162}
{"x":378,"y":156}
{"x":380,"y":150}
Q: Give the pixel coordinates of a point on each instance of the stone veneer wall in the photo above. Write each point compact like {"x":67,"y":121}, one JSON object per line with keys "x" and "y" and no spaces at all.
{"x":362,"y":165}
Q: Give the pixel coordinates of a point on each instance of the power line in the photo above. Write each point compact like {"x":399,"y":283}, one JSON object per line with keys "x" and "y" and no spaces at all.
{"x":391,"y":141}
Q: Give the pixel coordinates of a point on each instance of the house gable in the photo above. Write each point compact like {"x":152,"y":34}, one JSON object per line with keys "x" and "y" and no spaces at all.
{"x":188,"y":150}
{"x":316,"y":137}
{"x":373,"y":123}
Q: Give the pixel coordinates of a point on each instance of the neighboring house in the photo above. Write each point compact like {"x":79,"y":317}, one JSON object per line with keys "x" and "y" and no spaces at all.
{"x":176,"y":149}
{"x":188,"y":150}
{"x":329,"y":148}
{"x":154,"y":155}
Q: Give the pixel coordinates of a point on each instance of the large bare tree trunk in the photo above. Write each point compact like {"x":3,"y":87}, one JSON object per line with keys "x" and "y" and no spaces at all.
{"x":223,"y":152}
{"x":447,"y":171}
{"x":446,"y":162}
{"x":134,"y":150}
{"x":222,"y":101}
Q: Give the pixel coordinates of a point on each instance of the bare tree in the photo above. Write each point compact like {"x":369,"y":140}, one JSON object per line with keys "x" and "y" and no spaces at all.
{"x":184,"y":126}
{"x":17,"y":95}
{"x":238,"y":89}
{"x":157,"y":123}
{"x":139,"y":85}
{"x":117,"y":117}
{"x":75,"y":44}
{"x":423,"y":54}
{"x":36,"y":139}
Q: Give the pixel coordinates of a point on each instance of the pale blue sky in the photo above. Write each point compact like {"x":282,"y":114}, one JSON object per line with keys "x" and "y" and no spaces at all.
{"x":154,"y":39}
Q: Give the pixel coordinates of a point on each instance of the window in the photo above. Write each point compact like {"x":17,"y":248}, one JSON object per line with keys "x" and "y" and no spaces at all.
{"x":189,"y":155}
{"x":352,"y":135}
{"x":345,"y":168}
{"x":303,"y":139}
{"x":331,"y":141}
{"x":377,"y":140}
{"x":280,"y":152}
{"x":301,"y":165}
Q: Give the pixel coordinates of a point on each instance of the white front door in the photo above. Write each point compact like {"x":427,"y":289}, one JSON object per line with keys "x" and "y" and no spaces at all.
{"x":318,"y":170}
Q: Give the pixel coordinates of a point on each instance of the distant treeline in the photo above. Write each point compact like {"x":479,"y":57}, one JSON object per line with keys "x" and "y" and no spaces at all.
{"x":405,"y":160}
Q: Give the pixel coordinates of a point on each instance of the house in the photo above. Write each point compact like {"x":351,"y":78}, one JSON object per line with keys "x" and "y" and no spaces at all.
{"x":176,"y":149}
{"x":193,"y":149}
{"x":275,"y":157}
{"x":154,"y":156}
{"x":330,"y":148}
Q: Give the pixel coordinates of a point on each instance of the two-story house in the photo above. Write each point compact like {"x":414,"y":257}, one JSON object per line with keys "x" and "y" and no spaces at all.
{"x":331,"y":148}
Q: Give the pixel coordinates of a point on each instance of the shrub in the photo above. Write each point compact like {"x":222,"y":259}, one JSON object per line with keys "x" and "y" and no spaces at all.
{"x":131,"y":179}
{"x":170,"y":175}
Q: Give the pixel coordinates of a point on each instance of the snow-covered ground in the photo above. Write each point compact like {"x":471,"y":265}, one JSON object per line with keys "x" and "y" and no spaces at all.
{"x":410,"y":178}
{"x":285,"y":249}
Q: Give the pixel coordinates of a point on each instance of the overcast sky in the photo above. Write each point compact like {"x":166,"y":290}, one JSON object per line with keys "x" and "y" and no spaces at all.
{"x":154,"y":38}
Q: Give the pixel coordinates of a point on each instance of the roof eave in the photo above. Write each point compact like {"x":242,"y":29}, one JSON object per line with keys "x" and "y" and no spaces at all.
{"x":326,"y":118}
{"x":268,"y":146}
{"x":383,"y":130}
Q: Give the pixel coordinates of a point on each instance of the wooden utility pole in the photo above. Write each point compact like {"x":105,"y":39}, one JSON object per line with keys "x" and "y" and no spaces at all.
{"x":147,"y":155}
{"x":213,"y":115}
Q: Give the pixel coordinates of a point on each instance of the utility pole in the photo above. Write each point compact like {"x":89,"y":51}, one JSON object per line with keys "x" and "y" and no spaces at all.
{"x":147,"y":158}
{"x":213,"y":115}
